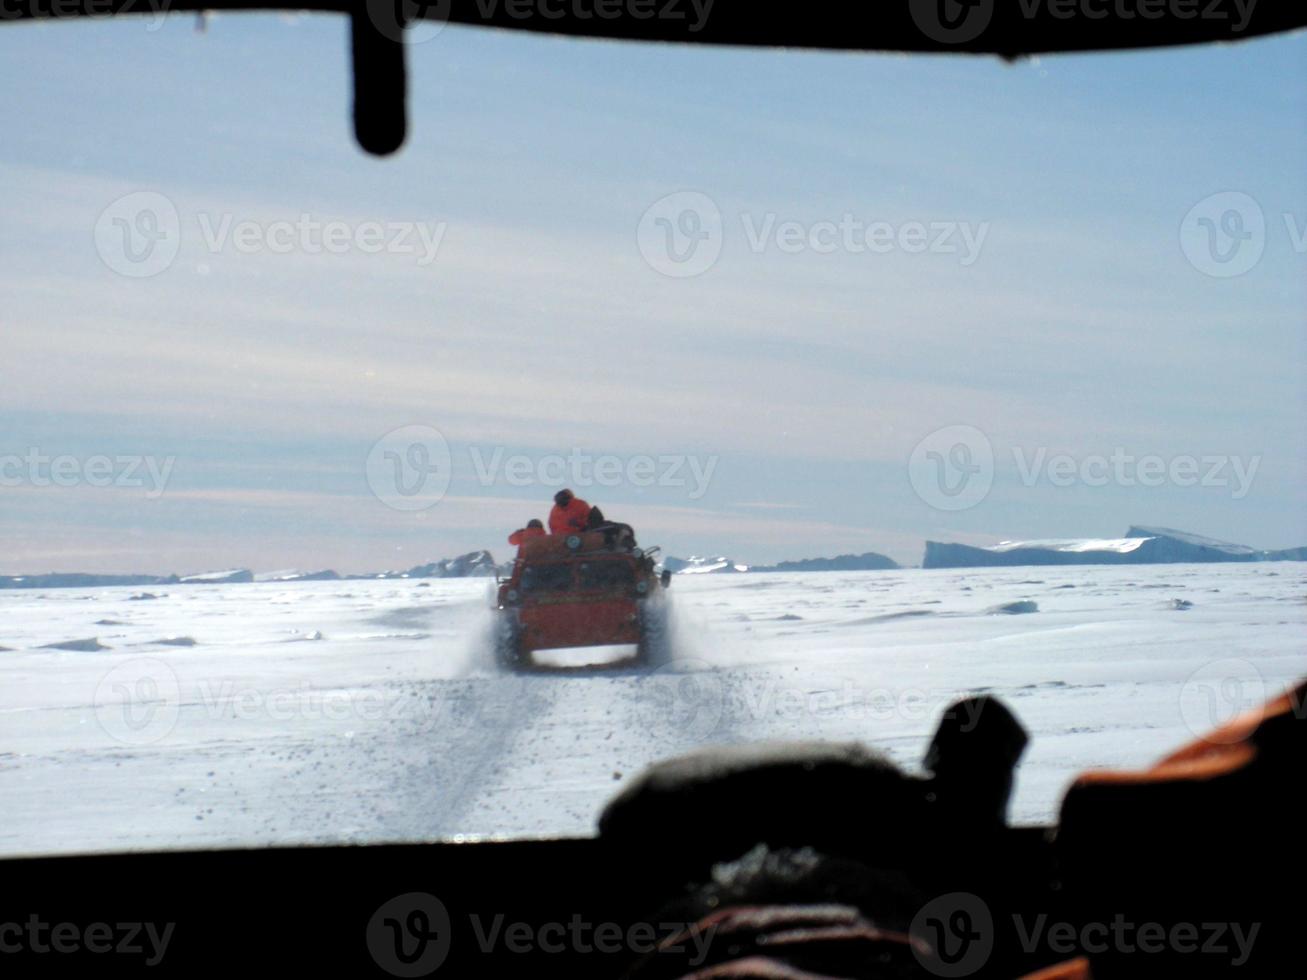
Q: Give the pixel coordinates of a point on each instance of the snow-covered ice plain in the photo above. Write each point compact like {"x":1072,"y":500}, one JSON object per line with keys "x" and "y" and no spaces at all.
{"x":262,"y":714}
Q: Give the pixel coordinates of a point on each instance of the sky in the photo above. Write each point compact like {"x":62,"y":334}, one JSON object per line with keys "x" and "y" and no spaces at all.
{"x":766,"y":304}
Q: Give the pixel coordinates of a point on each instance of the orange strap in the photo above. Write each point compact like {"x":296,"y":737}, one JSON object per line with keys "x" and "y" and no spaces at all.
{"x":1226,"y":750}
{"x":1070,"y":970}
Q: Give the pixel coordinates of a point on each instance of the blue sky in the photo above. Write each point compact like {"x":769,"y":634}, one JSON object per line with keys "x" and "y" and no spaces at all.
{"x":1079,"y":328}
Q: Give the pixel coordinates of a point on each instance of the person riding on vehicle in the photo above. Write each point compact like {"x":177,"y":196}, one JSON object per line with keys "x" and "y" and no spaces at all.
{"x":534,"y":529}
{"x":570,"y":515}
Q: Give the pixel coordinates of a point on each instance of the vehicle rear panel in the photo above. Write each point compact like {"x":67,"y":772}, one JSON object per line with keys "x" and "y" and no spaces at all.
{"x":581,"y":621}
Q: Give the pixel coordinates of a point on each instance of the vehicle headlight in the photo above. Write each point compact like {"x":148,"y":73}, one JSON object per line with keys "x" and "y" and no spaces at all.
{"x":512,"y":595}
{"x":642,"y":587}
{"x":574,"y":541}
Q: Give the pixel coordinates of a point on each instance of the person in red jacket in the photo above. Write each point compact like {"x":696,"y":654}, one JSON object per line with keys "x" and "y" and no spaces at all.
{"x":533,"y":529}
{"x":570,"y":515}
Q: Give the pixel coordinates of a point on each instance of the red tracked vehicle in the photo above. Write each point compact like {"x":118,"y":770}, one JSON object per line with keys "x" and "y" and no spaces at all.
{"x":593,"y":589}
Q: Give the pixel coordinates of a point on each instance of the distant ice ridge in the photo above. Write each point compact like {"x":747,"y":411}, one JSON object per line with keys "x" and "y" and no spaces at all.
{"x":870,"y":561}
{"x":291,"y":575}
{"x":695,"y":565}
{"x":219,"y":578}
{"x":1119,"y":545}
{"x":1140,"y":546}
{"x":80,"y":580}
{"x":473,"y":564}
{"x":840,"y":563}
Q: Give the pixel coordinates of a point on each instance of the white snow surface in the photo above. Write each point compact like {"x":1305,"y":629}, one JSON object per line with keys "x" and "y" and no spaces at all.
{"x":367,"y":711}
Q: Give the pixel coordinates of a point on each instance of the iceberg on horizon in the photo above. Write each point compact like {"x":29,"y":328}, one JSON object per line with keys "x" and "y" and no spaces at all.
{"x":1140,"y":546}
{"x":695,"y":565}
